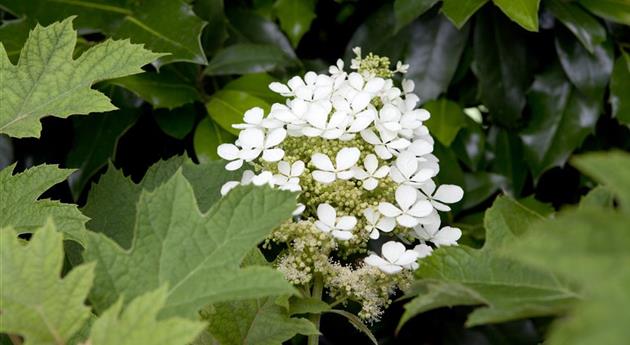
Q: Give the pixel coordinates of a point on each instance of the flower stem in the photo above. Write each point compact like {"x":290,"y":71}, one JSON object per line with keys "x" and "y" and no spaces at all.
{"x":318,"y":289}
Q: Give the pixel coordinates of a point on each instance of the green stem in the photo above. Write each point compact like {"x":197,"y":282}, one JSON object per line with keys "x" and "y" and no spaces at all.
{"x":318,"y":289}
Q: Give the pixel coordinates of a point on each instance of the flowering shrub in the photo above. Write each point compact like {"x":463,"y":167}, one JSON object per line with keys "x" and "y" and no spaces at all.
{"x":353,"y":145}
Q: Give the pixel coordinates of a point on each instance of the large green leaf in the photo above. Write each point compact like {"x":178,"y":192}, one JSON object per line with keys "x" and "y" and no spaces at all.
{"x":508,"y":158}
{"x":620,"y":89}
{"x":586,"y":28}
{"x":613,"y":10}
{"x":215,"y":33}
{"x":197,"y":255}
{"x":166,"y":26}
{"x":434,"y":51}
{"x":447,"y":118}
{"x":227,"y":107}
{"x":47,"y":81}
{"x":247,"y":26}
{"x":459,"y":11}
{"x":507,"y":289}
{"x":502,"y":67}
{"x":524,"y":12}
{"x":561,"y":118}
{"x":36,"y":302}
{"x":21,"y":209}
{"x":247,"y":58}
{"x":588,"y":72}
{"x":137,"y":324}
{"x":610,"y":169}
{"x":178,"y":122}
{"x":208,"y":137}
{"x":295,"y":17}
{"x":406,"y":11}
{"x":256,"y":85}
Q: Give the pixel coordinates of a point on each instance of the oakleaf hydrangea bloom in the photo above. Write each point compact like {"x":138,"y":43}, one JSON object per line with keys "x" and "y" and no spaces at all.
{"x":353,"y":145}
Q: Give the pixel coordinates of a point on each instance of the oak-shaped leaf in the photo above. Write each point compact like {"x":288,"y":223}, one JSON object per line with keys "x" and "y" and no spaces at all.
{"x":198,"y":255}
{"x":48,"y":81}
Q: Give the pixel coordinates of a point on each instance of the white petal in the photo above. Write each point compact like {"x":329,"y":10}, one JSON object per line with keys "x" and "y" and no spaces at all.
{"x":369,"y":136}
{"x":392,"y":250}
{"x":423,"y":114}
{"x":342,"y":235}
{"x":360,"y":101}
{"x":228,"y":186}
{"x":253,"y":115}
{"x":370,"y":215}
{"x":370,"y":183}
{"x":407,"y":164}
{"x":345,"y":175}
{"x":263,"y":178}
{"x":347,"y":157}
{"x":279,"y":88}
{"x":381,"y":172}
{"x":420,"y":147}
{"x":423,"y":250}
{"x":389,"y":210}
{"x":407,"y":258}
{"x":299,"y":209}
{"x":360,"y":123}
{"x":297,"y":168}
{"x":228,"y":151}
{"x":355,"y":80}
{"x":407,"y":221}
{"x":275,"y":137}
{"x":406,"y":196}
{"x":375,"y":260}
{"x":423,"y":175}
{"x":440,"y":206}
{"x":327,"y":214}
{"x":448,"y":236}
{"x":359,"y":173}
{"x":252,"y":137}
{"x":449,"y":193}
{"x":311,"y":131}
{"x":399,"y":144}
{"x":322,"y":162}
{"x":382,"y":151}
{"x":386,"y":224}
{"x":284,"y":168}
{"x":346,"y":223}
{"x":250,"y":154}
{"x":428,"y":187}
{"x":273,"y":155}
{"x":324,"y":176}
{"x":322,"y":226}
{"x":375,"y":234}
{"x":234,"y":165}
{"x":317,"y":115}
{"x":422,"y":208}
{"x":295,"y":82}
{"x":390,"y":268}
{"x":374,"y":85}
{"x":370,"y":163}
{"x":247,"y":177}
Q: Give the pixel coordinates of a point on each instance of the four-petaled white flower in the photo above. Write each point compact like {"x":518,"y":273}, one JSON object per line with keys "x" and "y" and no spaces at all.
{"x":372,"y":172}
{"x":405,"y":171}
{"x":313,"y":87}
{"x":377,"y":223}
{"x":244,"y":150}
{"x":360,"y":92}
{"x":346,"y":158}
{"x":320,"y":125}
{"x":395,"y":258}
{"x":264,"y":178}
{"x":445,"y":194}
{"x":387,"y":145}
{"x":288,"y":177}
{"x":446,"y":236}
{"x":409,"y":210}
{"x":328,"y":222}
{"x":254,"y":118}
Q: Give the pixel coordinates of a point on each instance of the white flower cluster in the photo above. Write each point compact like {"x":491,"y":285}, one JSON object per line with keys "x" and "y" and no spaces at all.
{"x":347,"y":107}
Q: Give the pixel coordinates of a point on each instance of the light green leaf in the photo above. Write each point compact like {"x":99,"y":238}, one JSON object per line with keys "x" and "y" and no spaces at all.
{"x":586,"y":28}
{"x":47,"y":81}
{"x":447,"y":118}
{"x":524,"y":12}
{"x":620,"y":89}
{"x":227,"y":107}
{"x":295,"y":17}
{"x":36,"y":302}
{"x":307,"y":305}
{"x":21,"y":209}
{"x":244,"y":58}
{"x":406,"y":11}
{"x":507,"y":289}
{"x":167,"y":26}
{"x":137,"y":324}
{"x":208,"y":137}
{"x":459,"y":11}
{"x":197,"y":254}
{"x":613,"y":10}
{"x":611,"y":170}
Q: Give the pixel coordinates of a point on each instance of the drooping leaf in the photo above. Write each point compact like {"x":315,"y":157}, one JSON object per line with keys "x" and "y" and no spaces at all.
{"x":588,"y":72}
{"x":406,"y":11}
{"x":586,"y":28}
{"x":13,"y":34}
{"x":459,"y":11}
{"x":227,"y":107}
{"x":95,"y":141}
{"x":434,"y":51}
{"x":197,"y":254}
{"x":246,"y":58}
{"x":447,"y":118}
{"x":561,"y":118}
{"x":502,"y":67}
{"x":116,"y":194}
{"x":613,"y":10}
{"x":208,"y":137}
{"x":47,"y":81}
{"x":620,"y":89}
{"x":524,"y":12}
{"x":21,"y":209}
{"x":166,"y":26}
{"x":138,"y":324}
{"x":295,"y":17}
{"x":36,"y":302}
{"x":178,"y":122}
{"x":507,"y":289}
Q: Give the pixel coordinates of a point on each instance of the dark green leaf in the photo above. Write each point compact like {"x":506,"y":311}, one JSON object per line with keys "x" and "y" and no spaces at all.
{"x":250,"y":27}
{"x":502,"y":67}
{"x":459,"y":11}
{"x":295,"y":17}
{"x":95,"y":141}
{"x":588,"y":72}
{"x":586,"y":28}
{"x":434,"y":51}
{"x":561,"y":118}
{"x":208,"y":136}
{"x":469,"y":145}
{"x":613,"y":10}
{"x":406,"y":11}
{"x":508,"y":158}
{"x":376,"y":35}
{"x":447,"y":118}
{"x":247,"y":58}
{"x":620,"y":89}
{"x":450,"y":170}
{"x":165,"y":26}
{"x":13,"y":34}
{"x":524,"y":12}
{"x":215,"y":33}
{"x":227,"y":107}
{"x":479,"y":187}
{"x":256,"y":85}
{"x":177,"y":122}
{"x":356,"y":322}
